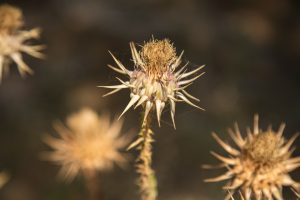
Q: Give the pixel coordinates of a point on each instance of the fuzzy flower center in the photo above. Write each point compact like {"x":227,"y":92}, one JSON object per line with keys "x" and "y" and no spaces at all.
{"x":10,"y":18}
{"x":157,"y":56}
{"x":264,"y":147}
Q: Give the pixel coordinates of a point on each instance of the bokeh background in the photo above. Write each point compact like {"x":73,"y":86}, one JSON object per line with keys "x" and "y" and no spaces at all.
{"x":252,"y":54}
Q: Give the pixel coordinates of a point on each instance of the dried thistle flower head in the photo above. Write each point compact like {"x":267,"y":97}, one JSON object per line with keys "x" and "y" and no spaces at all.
{"x":157,"y":78}
{"x":12,"y":40}
{"x":4,"y":178}
{"x":261,"y":166}
{"x":88,"y":143}
{"x":11,"y":18}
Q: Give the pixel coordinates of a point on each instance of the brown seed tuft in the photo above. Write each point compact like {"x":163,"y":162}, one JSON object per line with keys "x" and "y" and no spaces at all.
{"x":158,"y":54}
{"x":11,"y":18}
{"x":264,"y":147}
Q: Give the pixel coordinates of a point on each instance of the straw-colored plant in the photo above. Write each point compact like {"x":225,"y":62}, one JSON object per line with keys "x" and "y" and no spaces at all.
{"x":4,"y":178}
{"x":158,"y":78}
{"x":13,"y":40}
{"x":260,"y":167}
{"x":88,"y":144}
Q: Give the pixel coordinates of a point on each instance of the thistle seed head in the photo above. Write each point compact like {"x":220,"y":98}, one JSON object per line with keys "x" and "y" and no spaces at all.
{"x":88,"y":143}
{"x":157,"y":56}
{"x":157,"y":79}
{"x":264,"y":148}
{"x":260,"y":166}
{"x":11,"y":18}
{"x":13,"y":41}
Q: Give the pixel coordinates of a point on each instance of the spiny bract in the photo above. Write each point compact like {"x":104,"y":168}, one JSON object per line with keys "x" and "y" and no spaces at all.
{"x":157,"y":78}
{"x":12,"y":40}
{"x":89,"y":142}
{"x":261,"y":166}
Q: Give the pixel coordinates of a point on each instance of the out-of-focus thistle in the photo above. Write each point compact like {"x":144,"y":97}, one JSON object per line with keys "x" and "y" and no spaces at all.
{"x":261,"y":166}
{"x":13,"y":40}
{"x":4,"y":178}
{"x":90,"y":144}
{"x":157,"y":78}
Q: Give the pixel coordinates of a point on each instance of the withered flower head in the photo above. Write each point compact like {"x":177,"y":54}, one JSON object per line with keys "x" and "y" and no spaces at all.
{"x":12,"y":40}
{"x":157,"y":78}
{"x":88,"y":143}
{"x":261,"y":166}
{"x":11,"y":18}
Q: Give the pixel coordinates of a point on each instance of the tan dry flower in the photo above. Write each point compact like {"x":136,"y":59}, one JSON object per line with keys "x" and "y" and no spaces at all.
{"x":88,"y":143}
{"x":13,"y":40}
{"x":157,"y":78}
{"x":4,"y":178}
{"x":261,"y":166}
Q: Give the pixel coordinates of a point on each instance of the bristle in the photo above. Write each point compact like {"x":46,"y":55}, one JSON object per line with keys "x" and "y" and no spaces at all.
{"x":261,"y":168}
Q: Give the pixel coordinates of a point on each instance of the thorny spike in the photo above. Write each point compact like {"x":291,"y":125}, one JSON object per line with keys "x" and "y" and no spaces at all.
{"x":190,"y":96}
{"x":276,"y":193}
{"x":125,"y":83}
{"x":238,"y":132}
{"x":22,"y":66}
{"x":135,"y":143}
{"x":33,"y":50}
{"x":258,"y":195}
{"x":190,"y":80}
{"x":141,"y":101}
{"x":116,"y":69}
{"x":228,"y":161}
{"x":247,"y":193}
{"x":177,"y":74}
{"x":136,"y":56}
{"x":113,"y":86}
{"x":133,"y":100}
{"x":191,"y":72}
{"x":147,"y":109}
{"x":112,"y":92}
{"x":222,"y":165}
{"x":227,"y":147}
{"x":220,"y":178}
{"x":238,"y":141}
{"x":120,"y":65}
{"x":281,"y":129}
{"x":183,"y":87}
{"x":158,"y":110}
{"x":267,"y":193}
{"x":177,"y":61}
{"x":172,"y":110}
{"x":289,"y":143}
{"x":235,"y":184}
{"x":180,"y":95}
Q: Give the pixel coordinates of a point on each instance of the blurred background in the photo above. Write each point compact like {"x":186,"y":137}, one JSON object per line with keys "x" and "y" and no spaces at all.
{"x":251,"y":50}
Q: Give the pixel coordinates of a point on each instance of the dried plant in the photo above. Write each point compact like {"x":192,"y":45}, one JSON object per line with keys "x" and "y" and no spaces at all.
{"x":90,"y":143}
{"x":261,"y":166}
{"x":4,"y":178}
{"x":157,"y":79}
{"x":13,"y":40}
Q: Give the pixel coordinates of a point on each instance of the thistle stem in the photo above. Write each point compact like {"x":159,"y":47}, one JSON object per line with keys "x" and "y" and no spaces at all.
{"x":92,"y":184}
{"x":147,"y":180}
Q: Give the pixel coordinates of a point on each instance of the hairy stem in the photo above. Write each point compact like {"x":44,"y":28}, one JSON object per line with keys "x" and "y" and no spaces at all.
{"x":147,"y":180}
{"x":92,"y":184}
